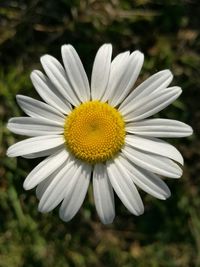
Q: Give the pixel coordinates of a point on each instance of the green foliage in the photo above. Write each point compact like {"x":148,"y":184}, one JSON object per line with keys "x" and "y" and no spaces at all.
{"x":168,"y":234}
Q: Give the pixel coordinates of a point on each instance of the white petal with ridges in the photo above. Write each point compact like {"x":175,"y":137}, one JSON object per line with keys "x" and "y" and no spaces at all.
{"x":75,"y":72}
{"x":159,"y":128}
{"x":35,"y":144}
{"x":152,"y":162}
{"x":55,"y":192}
{"x":125,"y":82}
{"x":42,"y":187}
{"x":45,"y":168}
{"x":155,"y":146}
{"x":147,"y":181}
{"x":124,"y":187}
{"x":101,"y":71}
{"x":158,"y":81}
{"x":38,"y":109}
{"x":57,"y":76}
{"x":34,"y":126}
{"x":75,"y":193}
{"x":44,"y":153}
{"x":48,"y":92}
{"x":117,"y":67}
{"x":103,"y":194}
{"x":150,"y":104}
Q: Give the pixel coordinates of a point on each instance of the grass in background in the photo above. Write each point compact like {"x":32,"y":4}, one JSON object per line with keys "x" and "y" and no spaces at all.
{"x":168,"y":234}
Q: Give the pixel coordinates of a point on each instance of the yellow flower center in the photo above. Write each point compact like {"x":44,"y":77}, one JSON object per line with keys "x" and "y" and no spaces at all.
{"x":94,"y":131}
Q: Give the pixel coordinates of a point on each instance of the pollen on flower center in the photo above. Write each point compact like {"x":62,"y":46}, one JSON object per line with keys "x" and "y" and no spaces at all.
{"x":94,"y":131}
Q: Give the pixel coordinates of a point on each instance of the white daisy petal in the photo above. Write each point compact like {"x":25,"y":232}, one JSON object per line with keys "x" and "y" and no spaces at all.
{"x":42,"y":187}
{"x":147,"y":181}
{"x":45,"y":153}
{"x":126,"y":79}
{"x":75,"y":193}
{"x":117,"y":67}
{"x":34,"y":126}
{"x":156,"y":82}
{"x":45,"y":168}
{"x":124,"y":187}
{"x":101,"y":71}
{"x":57,"y":75}
{"x":159,"y":128}
{"x":103,"y":194}
{"x":151,"y":104}
{"x":75,"y":72}
{"x":48,"y":92}
{"x":152,"y":162}
{"x":35,"y":144}
{"x":155,"y":146}
{"x":38,"y":109}
{"x":55,"y":192}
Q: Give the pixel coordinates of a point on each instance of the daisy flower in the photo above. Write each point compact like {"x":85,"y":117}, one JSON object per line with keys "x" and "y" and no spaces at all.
{"x":99,"y":131}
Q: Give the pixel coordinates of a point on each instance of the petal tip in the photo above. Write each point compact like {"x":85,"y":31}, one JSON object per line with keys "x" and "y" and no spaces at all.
{"x":165,"y":195}
{"x":63,"y":217}
{"x":178,"y":89}
{"x":107,"y":46}
{"x":18,"y":96}
{"x":67,"y":46}
{"x":139,"y":53}
{"x":168,"y":195}
{"x":168,"y":72}
{"x":139,"y":211}
{"x":26,"y":185}
{"x":43,"y":208}
{"x":34,"y":74}
{"x":64,"y":47}
{"x":8,"y":155}
{"x":178,"y":174}
{"x":190,"y":130}
{"x":108,"y":221}
{"x":44,"y":58}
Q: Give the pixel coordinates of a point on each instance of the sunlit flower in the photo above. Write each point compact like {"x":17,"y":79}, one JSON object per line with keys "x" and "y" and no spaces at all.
{"x":100,"y":131}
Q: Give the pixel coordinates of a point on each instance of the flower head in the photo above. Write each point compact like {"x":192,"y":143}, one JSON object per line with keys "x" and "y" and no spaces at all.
{"x":100,"y":131}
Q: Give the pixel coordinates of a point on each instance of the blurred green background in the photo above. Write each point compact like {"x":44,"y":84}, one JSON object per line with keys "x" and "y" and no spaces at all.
{"x":167,"y":32}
